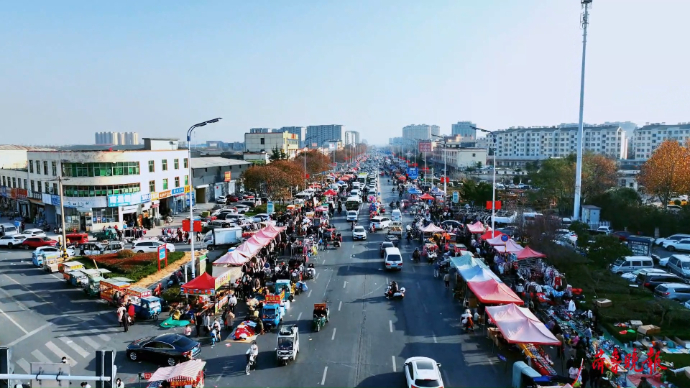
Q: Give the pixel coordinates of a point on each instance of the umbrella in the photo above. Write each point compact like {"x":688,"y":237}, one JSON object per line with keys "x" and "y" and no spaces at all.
{"x":330,"y":193}
{"x":426,"y":196}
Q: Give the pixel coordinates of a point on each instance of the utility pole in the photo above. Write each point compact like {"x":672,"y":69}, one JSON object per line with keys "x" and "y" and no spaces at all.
{"x":580,"y":128}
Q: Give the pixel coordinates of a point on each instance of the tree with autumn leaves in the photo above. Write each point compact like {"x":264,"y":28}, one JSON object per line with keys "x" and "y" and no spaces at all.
{"x":667,"y":172}
{"x":316,"y":162}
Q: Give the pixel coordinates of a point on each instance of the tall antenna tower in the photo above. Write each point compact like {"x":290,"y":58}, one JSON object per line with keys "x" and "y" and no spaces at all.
{"x":580,"y":129}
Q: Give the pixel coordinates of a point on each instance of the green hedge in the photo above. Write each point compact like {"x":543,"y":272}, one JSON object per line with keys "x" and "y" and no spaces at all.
{"x":134,"y":272}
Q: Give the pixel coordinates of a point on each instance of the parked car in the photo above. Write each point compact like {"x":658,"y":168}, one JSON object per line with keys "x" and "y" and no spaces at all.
{"x":673,"y":291}
{"x":12,"y":241}
{"x":678,"y":245}
{"x":631,"y":276}
{"x":232,"y":198}
{"x":168,"y":349}
{"x":221,"y":200}
{"x":48,"y":252}
{"x":151,"y":246}
{"x":261,"y":217}
{"x":241,"y":208}
{"x":359,"y":233}
{"x":423,"y":372}
{"x":35,"y":242}
{"x":566,"y":234}
{"x":650,"y":281}
{"x":675,"y":237}
{"x":621,"y":234}
{"x":604,"y":229}
{"x":34,"y":233}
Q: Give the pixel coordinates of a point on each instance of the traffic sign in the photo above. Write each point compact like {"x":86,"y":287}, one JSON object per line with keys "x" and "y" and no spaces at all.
{"x":505,"y":238}
{"x":456,"y":197}
{"x":269,"y":207}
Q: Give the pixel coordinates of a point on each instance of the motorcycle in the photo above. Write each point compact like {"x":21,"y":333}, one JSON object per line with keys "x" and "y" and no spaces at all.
{"x":400,"y":294}
{"x":310,"y":272}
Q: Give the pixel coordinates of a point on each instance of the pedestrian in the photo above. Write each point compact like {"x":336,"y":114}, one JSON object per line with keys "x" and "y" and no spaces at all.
{"x":207,"y":322}
{"x":585,"y":376}
{"x":85,"y":385}
{"x":198,"y":322}
{"x":64,"y":360}
{"x":119,"y":383}
{"x":446,"y":279}
{"x":120,"y":314}
{"x":188,"y":331}
{"x":125,"y":322}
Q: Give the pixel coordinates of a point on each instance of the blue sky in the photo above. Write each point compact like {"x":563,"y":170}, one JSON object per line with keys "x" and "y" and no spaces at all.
{"x":72,"y":68}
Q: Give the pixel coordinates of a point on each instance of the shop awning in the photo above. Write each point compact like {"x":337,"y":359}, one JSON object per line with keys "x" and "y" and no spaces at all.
{"x":478,"y":274}
{"x":204,"y":284}
{"x":431,"y":228}
{"x":529,"y":253}
{"x":490,"y":235}
{"x":231,"y":258}
{"x":519,"y":326}
{"x":491,"y":291}
{"x":510,"y":247}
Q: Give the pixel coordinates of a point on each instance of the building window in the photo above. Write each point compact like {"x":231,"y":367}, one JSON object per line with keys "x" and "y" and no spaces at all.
{"x":177,"y":181}
{"x":177,"y":164}
{"x":100,"y":169}
{"x":186,"y":163}
{"x":55,"y":189}
{"x":106,"y":215}
{"x":38,"y":167}
{"x":100,"y":191}
{"x":152,"y":166}
{"x":4,"y":182}
{"x":54,"y":168}
{"x":263,"y":141}
{"x":40,"y":187}
{"x":31,"y":166}
{"x":25,"y":185}
{"x":45,"y":168}
{"x":186,"y":180}
{"x":14,"y":182}
{"x":152,"y":186}
{"x":165,"y":184}
{"x":33,"y":187}
{"x":164,"y":165}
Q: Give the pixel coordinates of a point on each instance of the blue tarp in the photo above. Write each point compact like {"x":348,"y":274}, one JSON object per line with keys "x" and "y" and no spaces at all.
{"x":414,"y":190}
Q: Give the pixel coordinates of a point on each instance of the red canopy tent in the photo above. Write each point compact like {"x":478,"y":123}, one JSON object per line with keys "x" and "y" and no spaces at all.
{"x":330,"y":193}
{"x":426,"y":196}
{"x":519,"y":326}
{"x":491,"y":291}
{"x":529,"y":253}
{"x":205,"y":284}
{"x":489,"y":235}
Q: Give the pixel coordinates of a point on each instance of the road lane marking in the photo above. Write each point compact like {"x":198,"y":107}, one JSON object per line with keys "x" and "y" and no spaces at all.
{"x":333,"y":336}
{"x":90,"y":342}
{"x":419,"y":286}
{"x":324,"y":261}
{"x":59,"y":353}
{"x":323,"y":379}
{"x":299,"y":316}
{"x":340,"y":305}
{"x":395,"y":368}
{"x":27,"y":335}
{"x":390,"y":325}
{"x":41,"y":357}
{"x":344,"y":284}
{"x":309,"y":295}
{"x":74,"y":346}
{"x":20,"y":304}
{"x":316,"y":277}
{"x":25,"y":364}
{"x":434,"y":335}
{"x":101,"y":336}
{"x":425,"y":310}
{"x":413,"y":270}
{"x":15,"y":322}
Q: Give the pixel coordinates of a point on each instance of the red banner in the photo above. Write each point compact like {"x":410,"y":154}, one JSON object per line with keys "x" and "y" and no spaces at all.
{"x":272,"y":299}
{"x":197,"y":226}
{"x":498,"y":205}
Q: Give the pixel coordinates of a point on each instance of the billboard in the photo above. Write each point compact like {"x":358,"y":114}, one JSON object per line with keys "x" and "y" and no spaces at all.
{"x":425,"y":146}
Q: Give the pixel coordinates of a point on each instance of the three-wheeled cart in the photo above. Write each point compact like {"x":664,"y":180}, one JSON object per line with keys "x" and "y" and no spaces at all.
{"x":183,"y":374}
{"x":113,"y":291}
{"x":320,"y":317}
{"x":69,"y":266}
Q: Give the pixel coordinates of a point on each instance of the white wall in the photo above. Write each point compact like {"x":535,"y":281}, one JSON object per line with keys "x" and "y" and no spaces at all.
{"x":12,"y":159}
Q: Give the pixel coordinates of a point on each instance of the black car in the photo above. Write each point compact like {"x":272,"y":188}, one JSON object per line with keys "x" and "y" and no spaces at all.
{"x":651,"y":280}
{"x":167,"y":349}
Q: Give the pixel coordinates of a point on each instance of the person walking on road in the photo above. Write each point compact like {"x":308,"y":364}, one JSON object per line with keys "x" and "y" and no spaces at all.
{"x":446,"y":279}
{"x":120,"y":314}
{"x":125,"y":320}
{"x":198,"y":322}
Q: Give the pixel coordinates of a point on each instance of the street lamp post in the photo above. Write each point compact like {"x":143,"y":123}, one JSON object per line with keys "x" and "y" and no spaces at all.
{"x":445,"y":164}
{"x":580,"y":127}
{"x":62,"y":219}
{"x":493,"y":189}
{"x":191,"y":190}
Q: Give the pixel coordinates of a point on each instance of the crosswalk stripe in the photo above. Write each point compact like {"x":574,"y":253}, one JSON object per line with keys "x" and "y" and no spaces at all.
{"x":74,"y":346}
{"x":24,"y":365}
{"x":101,"y":336}
{"x":41,"y":357}
{"x":91,"y":342}
{"x":59,"y":353}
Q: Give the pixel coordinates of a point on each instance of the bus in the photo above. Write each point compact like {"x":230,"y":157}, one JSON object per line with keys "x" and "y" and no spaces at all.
{"x":362,"y":178}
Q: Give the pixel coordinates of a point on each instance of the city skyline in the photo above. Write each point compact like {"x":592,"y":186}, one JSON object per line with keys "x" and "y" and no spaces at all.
{"x":87,"y":72}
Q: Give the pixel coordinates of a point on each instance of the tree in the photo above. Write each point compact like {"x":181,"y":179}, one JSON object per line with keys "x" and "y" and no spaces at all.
{"x":315,"y":160}
{"x":476,"y":193}
{"x":582,"y":232}
{"x":276,"y":179}
{"x":278,"y":154}
{"x":607,"y":249}
{"x":667,"y":171}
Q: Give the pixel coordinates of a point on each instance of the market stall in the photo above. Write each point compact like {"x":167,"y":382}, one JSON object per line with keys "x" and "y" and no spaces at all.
{"x":207,"y":287}
{"x":233,"y":258}
{"x":509,"y":247}
{"x":477,"y":228}
{"x":491,"y":235}
{"x":529,"y":253}
{"x":189,"y":373}
{"x":493,"y":292}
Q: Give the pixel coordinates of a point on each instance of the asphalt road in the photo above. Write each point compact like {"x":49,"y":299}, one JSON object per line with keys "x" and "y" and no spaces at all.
{"x":365,"y":343}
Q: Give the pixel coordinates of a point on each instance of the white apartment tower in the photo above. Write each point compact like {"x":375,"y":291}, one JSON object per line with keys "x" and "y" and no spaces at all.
{"x":466,"y":129}
{"x":420,"y":131}
{"x":647,"y":139}
{"x":351,"y":138}
{"x":117,"y":138}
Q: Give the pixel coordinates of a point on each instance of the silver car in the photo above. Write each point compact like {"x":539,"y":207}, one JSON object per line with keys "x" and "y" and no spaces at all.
{"x":674,"y":291}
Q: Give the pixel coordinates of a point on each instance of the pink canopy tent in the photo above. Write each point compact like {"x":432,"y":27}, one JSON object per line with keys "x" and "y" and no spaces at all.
{"x":519,"y":326}
{"x":491,"y":291}
{"x":477,"y":227}
{"x":529,"y":253}
{"x":496,"y":241}
{"x":248,"y":250}
{"x":231,"y":258}
{"x":273,"y":229}
{"x":431,"y":228}
{"x":261,"y":241}
{"x":265,"y":234}
{"x":509,"y":247}
{"x":489,"y":235}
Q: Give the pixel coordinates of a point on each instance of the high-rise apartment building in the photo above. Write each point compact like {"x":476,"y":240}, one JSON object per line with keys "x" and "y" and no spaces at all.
{"x":647,"y":139}
{"x":259,"y":130}
{"x":351,"y":138}
{"x":117,"y":138}
{"x":420,"y":131}
{"x":466,"y":129}
{"x":322,"y":134}
{"x":555,"y":142}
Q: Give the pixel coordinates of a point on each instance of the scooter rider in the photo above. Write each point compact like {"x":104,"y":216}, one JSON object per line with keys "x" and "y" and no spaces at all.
{"x":392,"y":289}
{"x":416,"y":255}
{"x":253,"y":354}
{"x":354,"y":223}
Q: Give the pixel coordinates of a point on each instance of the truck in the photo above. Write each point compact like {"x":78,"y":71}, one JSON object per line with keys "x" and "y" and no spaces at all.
{"x":395,"y":228}
{"x":222,"y":237}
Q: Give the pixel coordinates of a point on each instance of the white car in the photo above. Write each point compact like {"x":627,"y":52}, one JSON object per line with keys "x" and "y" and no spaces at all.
{"x":423,"y":372}
{"x":359,"y":233}
{"x":261,"y":217}
{"x":48,"y":252}
{"x":221,"y":200}
{"x":665,"y":242}
{"x":380,"y":222}
{"x":567,"y":234}
{"x":680,"y":245}
{"x":151,"y":246}
{"x":12,"y":241}
{"x":631,"y":276}
{"x":352,"y":215}
{"x":34,"y":233}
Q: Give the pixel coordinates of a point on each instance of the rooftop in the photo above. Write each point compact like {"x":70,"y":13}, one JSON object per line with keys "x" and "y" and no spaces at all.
{"x":216,"y":162}
{"x":10,"y":147}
